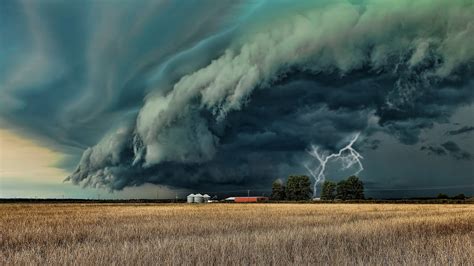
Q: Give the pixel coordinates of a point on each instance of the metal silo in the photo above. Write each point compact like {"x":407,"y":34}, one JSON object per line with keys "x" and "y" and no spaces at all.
{"x":198,"y":198}
{"x":190,"y":198}
{"x":206,"y":197}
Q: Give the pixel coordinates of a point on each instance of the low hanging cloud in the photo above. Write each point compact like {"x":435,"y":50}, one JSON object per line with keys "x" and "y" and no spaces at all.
{"x":298,"y":77}
{"x":455,"y":151}
{"x":434,"y":150}
{"x":448,"y":148}
{"x":462,"y":130}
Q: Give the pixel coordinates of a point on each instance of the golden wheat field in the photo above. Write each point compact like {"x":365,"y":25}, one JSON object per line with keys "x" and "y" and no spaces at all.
{"x":236,"y":234}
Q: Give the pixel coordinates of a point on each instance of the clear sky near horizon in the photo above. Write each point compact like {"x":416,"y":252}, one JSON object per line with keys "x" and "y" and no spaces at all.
{"x":146,"y":99}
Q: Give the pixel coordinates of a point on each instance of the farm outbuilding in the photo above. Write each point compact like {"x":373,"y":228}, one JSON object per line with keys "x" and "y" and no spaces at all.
{"x":250,"y":199}
{"x":230,"y":199}
{"x":198,"y":198}
{"x":190,"y":198}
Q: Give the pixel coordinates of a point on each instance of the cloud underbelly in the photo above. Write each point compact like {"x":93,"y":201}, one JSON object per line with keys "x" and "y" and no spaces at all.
{"x":302,"y":77}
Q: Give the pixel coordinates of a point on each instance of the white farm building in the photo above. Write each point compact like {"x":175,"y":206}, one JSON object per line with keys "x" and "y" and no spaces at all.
{"x":198,"y":198}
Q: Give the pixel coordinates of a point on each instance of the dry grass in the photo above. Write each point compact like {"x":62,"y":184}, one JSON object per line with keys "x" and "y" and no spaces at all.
{"x":236,"y":234}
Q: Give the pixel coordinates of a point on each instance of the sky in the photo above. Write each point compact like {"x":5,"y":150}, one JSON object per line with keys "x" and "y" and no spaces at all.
{"x":146,"y":99}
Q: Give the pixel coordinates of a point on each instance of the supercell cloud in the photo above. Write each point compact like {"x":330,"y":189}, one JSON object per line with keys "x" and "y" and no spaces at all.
{"x":225,"y":94}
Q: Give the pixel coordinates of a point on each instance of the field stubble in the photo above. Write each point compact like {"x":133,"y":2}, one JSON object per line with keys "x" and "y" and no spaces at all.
{"x":236,"y":234}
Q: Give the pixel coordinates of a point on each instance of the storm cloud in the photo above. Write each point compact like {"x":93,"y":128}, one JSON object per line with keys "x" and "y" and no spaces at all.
{"x":434,"y":150}
{"x":456,"y":151}
{"x":236,"y":99}
{"x":463,"y":130}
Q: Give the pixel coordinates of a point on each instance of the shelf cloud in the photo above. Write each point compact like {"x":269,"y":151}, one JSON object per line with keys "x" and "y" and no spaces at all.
{"x":234,"y":95}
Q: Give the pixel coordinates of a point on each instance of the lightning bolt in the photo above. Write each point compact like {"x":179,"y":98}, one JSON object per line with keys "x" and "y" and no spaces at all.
{"x":348,"y":156}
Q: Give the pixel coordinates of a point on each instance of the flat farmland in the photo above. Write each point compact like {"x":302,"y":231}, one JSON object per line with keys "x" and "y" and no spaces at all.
{"x":236,"y":234}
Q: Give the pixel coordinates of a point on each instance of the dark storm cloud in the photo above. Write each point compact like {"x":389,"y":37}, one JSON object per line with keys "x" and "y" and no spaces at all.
{"x":233,"y":95}
{"x":249,"y":115}
{"x":463,"y":130}
{"x":72,"y":71}
{"x":455,"y":151}
{"x":372,"y":144}
{"x":448,"y":148}
{"x":434,"y":150}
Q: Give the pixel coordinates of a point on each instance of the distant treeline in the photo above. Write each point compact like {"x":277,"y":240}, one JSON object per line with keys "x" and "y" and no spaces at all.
{"x":457,"y":197}
{"x":298,"y":187}
{"x":382,"y":201}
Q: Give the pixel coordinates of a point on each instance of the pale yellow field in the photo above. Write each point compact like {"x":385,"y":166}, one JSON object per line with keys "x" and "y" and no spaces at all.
{"x":236,"y":234}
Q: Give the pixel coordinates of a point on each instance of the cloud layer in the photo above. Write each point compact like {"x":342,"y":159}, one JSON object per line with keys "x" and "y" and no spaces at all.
{"x":233,"y":95}
{"x":311,"y":75}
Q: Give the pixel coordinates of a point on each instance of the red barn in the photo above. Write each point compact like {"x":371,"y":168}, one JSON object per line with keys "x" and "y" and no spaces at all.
{"x":250,"y":199}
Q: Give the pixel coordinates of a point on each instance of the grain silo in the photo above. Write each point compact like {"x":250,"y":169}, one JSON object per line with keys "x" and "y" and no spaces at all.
{"x":198,"y":198}
{"x":206,"y":197}
{"x":190,"y":198}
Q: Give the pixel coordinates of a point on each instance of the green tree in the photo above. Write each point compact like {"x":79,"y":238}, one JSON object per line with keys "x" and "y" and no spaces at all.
{"x":328,"y":191}
{"x":460,"y":196}
{"x":342,"y":190}
{"x":442,"y":196}
{"x":278,"y":190}
{"x":298,"y":187}
{"x":351,"y":188}
{"x":356,"y":188}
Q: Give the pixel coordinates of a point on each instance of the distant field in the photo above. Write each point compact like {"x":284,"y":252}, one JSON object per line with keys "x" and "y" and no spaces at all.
{"x":236,"y":234}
